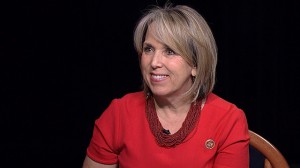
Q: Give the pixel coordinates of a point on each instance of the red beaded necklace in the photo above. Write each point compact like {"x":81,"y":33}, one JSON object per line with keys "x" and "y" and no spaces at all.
{"x":170,"y":140}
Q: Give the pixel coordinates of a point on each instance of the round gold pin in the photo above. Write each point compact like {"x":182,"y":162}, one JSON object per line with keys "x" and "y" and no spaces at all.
{"x":209,"y":144}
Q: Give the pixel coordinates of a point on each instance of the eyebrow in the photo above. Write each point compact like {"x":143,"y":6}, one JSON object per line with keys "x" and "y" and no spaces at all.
{"x":147,"y":44}
{"x":150,"y":45}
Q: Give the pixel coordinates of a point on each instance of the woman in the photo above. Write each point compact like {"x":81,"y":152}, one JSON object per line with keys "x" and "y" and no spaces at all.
{"x":176,"y":121}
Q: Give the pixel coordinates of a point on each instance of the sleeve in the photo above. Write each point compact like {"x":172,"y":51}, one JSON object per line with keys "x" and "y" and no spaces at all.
{"x":234,"y":151}
{"x":103,"y":147}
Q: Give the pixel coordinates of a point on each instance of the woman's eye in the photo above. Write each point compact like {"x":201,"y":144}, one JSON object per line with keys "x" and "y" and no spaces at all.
{"x":170,"y":52}
{"x":147,"y":49}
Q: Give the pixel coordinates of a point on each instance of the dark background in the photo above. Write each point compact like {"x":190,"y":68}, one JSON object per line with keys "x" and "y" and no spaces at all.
{"x":62,"y":62}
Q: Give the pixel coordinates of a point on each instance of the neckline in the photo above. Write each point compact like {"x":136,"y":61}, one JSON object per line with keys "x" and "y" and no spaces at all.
{"x":170,"y":140}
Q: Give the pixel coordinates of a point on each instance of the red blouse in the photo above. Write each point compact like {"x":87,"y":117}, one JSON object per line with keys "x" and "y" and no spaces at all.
{"x":122,"y":135}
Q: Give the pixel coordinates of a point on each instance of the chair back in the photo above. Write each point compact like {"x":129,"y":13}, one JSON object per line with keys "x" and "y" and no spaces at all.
{"x":264,"y":154}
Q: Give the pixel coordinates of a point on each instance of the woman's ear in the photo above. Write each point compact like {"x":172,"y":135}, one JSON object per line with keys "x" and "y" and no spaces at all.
{"x":194,"y":71}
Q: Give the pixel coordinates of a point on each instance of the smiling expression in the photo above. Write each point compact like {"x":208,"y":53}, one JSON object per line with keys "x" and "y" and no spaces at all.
{"x":165,"y":72}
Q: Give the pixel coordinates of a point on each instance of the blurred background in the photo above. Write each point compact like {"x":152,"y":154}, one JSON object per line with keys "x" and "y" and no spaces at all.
{"x":62,"y":62}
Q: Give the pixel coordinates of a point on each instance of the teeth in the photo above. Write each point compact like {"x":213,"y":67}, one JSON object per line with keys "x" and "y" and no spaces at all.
{"x":159,"y":76}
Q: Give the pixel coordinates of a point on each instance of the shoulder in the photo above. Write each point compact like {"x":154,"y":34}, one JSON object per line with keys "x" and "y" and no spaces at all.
{"x":124,"y":107}
{"x":221,"y":119}
{"x":220,"y":105}
{"x":222,"y":111}
{"x":128,"y":103}
{"x":131,"y":98}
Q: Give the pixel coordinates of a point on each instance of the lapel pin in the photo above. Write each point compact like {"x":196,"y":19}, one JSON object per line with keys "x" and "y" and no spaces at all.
{"x":209,"y":144}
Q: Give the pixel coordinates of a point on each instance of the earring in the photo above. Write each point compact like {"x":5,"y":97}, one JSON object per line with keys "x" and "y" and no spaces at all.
{"x":193,"y":77}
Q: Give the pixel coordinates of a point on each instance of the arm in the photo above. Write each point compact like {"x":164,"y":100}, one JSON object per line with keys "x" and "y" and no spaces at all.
{"x":89,"y":163}
{"x":234,"y":151}
{"x":101,"y":151}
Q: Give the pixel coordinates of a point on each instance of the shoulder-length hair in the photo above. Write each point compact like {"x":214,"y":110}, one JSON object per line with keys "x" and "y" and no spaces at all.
{"x":187,"y":33}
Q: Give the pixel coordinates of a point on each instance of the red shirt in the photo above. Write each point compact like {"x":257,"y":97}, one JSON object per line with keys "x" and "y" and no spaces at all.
{"x":122,"y":135}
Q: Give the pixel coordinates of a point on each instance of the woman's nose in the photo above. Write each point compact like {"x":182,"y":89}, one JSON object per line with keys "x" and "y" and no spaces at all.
{"x":157,"y":60}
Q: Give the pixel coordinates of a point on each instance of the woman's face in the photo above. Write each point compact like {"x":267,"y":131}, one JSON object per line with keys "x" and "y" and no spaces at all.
{"x":165,"y":72}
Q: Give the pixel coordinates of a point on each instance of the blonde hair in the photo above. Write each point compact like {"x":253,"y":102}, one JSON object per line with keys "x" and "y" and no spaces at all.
{"x":187,"y":33}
